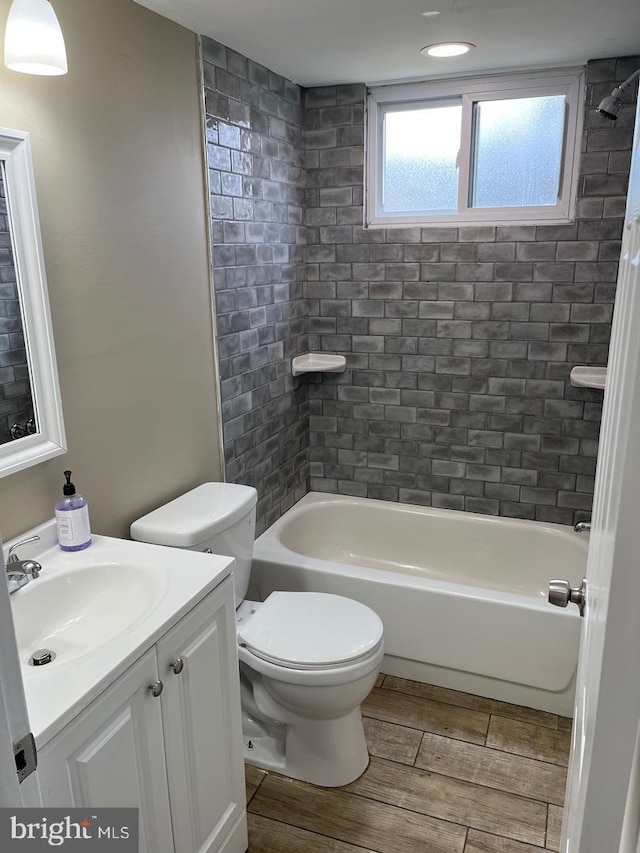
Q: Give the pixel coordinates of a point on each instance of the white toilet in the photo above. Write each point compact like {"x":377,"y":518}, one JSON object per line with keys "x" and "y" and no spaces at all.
{"x":307,"y":659}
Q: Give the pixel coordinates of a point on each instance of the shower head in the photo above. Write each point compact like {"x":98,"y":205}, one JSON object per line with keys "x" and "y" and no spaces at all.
{"x":611,"y":106}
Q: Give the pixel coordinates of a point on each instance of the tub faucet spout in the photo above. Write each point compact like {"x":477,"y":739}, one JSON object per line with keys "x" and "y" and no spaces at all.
{"x":582,"y":527}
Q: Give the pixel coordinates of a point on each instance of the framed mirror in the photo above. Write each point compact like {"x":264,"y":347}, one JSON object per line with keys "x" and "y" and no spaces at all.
{"x":31,"y":424}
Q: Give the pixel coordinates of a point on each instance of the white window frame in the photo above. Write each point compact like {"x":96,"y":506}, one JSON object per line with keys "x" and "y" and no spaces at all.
{"x":382,"y":99}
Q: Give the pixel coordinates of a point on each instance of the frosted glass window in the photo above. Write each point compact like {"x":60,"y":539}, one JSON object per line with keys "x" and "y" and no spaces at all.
{"x":518,"y":152}
{"x":493,"y":150}
{"x":420,"y":159}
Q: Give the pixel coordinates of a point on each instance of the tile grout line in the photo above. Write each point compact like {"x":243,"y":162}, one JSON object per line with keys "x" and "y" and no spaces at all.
{"x":474,"y":711}
{"x":317,"y":834}
{"x":515,"y":719}
{"x":484,"y":745}
{"x":464,"y":826}
{"x":370,"y":800}
{"x":424,"y":731}
{"x":527,"y":723}
{"x":531,"y":800}
{"x":486,"y":787}
{"x":266,"y":773}
{"x":415,"y":766}
{"x":453,"y":822}
{"x":521,"y":754}
{"x":418,"y":749}
{"x":412,"y":811}
{"x":536,"y":847}
{"x":466,"y":838}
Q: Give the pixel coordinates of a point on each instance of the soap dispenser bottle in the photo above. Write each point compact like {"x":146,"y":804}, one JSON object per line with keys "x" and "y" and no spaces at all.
{"x":72,"y":518}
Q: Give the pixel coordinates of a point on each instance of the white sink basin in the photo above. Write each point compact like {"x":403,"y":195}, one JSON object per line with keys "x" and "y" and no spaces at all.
{"x":76,"y":612}
{"x":98,"y":610}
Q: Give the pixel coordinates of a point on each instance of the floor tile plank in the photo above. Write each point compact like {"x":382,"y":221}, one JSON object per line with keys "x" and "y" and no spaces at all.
{"x":453,"y":800}
{"x":271,"y":836}
{"x":532,"y":741}
{"x":253,"y":776}
{"x":554,"y":828}
{"x":565,"y":724}
{"x":354,"y":820}
{"x":387,"y":740}
{"x":468,"y":700}
{"x":481,"y":842}
{"x":426,"y":715}
{"x":492,"y":768}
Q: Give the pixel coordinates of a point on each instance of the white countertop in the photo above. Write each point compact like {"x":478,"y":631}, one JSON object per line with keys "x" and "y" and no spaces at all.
{"x":57,"y":692}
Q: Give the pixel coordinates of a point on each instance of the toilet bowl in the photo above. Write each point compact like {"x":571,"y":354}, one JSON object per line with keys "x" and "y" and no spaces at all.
{"x":307,"y":660}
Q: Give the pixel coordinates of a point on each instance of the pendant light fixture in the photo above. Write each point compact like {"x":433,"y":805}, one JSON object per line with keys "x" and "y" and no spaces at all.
{"x":33,"y":40}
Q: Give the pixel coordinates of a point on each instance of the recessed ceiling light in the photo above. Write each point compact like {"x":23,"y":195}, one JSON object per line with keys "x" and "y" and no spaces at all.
{"x":447,"y":48}
{"x":430,"y":14}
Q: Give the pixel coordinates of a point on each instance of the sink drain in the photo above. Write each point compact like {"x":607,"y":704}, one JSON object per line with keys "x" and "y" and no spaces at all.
{"x":42,"y":657}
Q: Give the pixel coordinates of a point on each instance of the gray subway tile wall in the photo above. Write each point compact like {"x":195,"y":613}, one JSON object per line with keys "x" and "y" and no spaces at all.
{"x":254,"y":136}
{"x":459,"y":341}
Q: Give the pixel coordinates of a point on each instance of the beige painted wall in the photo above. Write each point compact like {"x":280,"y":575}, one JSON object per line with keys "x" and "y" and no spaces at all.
{"x":118,"y":164}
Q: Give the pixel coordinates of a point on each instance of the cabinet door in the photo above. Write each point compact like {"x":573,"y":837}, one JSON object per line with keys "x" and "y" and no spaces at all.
{"x":112,"y":754}
{"x":202,"y":723}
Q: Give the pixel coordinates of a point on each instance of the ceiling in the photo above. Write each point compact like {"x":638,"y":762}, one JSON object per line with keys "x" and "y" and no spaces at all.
{"x":320,"y":42}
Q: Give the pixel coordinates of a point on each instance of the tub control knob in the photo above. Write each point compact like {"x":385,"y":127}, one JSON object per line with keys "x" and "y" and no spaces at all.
{"x":561,"y":593}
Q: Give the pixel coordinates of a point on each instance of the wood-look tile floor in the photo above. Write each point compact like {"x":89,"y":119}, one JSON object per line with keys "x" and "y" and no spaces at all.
{"x":449,"y":773}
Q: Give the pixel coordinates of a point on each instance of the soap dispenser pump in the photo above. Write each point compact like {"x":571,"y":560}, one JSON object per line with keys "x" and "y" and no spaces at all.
{"x":72,"y":518}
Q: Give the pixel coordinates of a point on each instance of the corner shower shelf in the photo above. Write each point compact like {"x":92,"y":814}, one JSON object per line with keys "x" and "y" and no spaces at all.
{"x":588,"y":377}
{"x":315,"y":362}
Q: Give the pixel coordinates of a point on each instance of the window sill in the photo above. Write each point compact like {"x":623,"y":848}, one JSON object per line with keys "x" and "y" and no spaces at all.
{"x":488,"y":218}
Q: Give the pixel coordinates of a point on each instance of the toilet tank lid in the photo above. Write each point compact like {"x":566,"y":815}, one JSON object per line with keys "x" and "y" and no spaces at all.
{"x":196,"y":516}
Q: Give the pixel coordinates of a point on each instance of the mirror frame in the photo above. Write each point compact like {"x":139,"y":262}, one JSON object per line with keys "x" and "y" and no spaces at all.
{"x":26,"y":241}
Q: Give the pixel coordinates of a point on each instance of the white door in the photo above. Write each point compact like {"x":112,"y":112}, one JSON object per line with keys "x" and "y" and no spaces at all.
{"x":608,"y":687}
{"x":14,"y":720}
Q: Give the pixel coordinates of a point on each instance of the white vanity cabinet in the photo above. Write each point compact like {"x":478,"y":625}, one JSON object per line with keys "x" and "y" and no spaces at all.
{"x":203,"y":728}
{"x":176,"y":756}
{"x":112,"y":754}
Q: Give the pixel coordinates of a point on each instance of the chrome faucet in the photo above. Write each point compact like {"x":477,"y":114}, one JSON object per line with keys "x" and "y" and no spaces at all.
{"x":582,"y":527}
{"x":20,"y":572}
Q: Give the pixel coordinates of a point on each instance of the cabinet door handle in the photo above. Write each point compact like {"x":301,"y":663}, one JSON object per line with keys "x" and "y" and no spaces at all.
{"x":156,"y":688}
{"x":177,"y":666}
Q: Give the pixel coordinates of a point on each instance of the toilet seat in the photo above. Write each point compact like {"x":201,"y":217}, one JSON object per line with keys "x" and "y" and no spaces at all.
{"x":308,"y":631}
{"x":345,"y":673}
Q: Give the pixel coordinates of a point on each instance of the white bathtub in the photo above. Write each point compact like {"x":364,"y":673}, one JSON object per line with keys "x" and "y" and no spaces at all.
{"x":463,"y":597}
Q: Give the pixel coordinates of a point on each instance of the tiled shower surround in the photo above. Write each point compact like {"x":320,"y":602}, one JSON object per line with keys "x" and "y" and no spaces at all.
{"x":459,"y":342}
{"x":255,"y":128}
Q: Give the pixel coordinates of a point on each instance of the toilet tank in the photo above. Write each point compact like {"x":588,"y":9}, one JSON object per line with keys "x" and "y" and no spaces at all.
{"x":220,"y":517}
